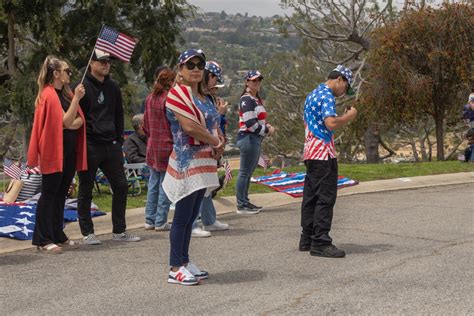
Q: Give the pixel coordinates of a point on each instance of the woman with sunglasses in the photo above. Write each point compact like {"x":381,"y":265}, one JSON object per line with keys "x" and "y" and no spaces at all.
{"x":192,"y":166}
{"x":159,"y":147}
{"x":58,"y":147}
{"x":252,"y":129}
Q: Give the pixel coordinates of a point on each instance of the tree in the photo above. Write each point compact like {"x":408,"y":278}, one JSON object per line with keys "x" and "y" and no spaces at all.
{"x":422,"y":66}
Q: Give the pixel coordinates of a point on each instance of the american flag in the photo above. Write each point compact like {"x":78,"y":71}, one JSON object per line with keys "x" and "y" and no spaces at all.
{"x":116,"y":43}
{"x":228,"y":172}
{"x":11,"y":168}
{"x":263,"y":161}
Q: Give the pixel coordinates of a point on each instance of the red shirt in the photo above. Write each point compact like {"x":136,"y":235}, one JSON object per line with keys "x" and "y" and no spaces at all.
{"x":157,"y":128}
{"x":46,"y":142}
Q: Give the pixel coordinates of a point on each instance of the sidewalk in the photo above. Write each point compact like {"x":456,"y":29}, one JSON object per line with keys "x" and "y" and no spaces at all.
{"x":135,"y":217}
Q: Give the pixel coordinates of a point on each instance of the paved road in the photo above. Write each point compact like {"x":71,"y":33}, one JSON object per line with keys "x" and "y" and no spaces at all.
{"x":409,"y":252}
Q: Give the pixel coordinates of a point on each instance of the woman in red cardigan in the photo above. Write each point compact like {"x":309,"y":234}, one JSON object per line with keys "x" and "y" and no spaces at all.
{"x":58,"y":147}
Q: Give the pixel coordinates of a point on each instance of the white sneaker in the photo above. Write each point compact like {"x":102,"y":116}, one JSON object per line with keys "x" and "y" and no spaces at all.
{"x":216,"y":226}
{"x":163,"y":228}
{"x":198,"y":232}
{"x":200,"y":275}
{"x":149,"y":226}
{"x":182,"y":276}
{"x":90,"y":239}
{"x":125,"y":237}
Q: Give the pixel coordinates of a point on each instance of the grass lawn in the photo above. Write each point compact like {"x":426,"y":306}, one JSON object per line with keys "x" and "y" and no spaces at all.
{"x":359,"y":172}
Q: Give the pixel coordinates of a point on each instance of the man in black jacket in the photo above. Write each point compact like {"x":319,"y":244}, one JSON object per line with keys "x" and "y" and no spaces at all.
{"x":103,"y":111}
{"x":135,"y":145}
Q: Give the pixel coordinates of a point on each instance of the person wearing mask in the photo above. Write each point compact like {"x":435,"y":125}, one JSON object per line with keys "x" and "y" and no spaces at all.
{"x":253,"y":127}
{"x":160,"y":145}
{"x":103,"y":110}
{"x":192,"y":168}
{"x":212,"y":78}
{"x":320,"y":185}
{"x":58,"y":146}
{"x":134,"y":146}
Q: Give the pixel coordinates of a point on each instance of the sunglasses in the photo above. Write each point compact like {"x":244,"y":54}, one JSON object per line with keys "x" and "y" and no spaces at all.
{"x":68,"y":71}
{"x":105,"y":61}
{"x":256,"y":79}
{"x":190,"y":65}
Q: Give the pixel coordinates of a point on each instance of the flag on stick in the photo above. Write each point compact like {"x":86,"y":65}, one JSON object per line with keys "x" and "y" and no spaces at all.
{"x":116,"y":43}
{"x":228,"y":172}
{"x":11,"y":169}
{"x":263,"y":161}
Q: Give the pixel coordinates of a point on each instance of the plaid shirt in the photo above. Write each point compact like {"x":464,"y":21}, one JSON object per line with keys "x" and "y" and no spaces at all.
{"x":157,"y":128}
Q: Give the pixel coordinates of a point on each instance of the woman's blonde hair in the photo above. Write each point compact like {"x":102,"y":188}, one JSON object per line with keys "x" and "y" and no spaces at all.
{"x":46,"y":77}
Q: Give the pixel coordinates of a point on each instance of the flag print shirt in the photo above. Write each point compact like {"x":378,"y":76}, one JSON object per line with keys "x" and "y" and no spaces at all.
{"x":191,"y":167}
{"x":319,"y":141}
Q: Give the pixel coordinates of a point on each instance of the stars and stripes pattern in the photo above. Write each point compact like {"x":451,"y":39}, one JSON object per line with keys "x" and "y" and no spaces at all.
{"x":180,"y":100}
{"x":319,"y":142}
{"x":11,"y":168}
{"x":116,"y":43}
{"x":252,"y":115}
{"x":293,"y":183}
{"x":263,"y":161}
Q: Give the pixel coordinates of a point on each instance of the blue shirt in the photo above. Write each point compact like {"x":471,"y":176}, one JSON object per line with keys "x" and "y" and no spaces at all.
{"x":319,"y":104}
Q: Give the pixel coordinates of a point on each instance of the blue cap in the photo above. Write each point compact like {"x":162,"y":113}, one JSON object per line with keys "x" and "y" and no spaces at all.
{"x":215,"y":69}
{"x":253,"y":74}
{"x":346,"y":73}
{"x":190,"y":53}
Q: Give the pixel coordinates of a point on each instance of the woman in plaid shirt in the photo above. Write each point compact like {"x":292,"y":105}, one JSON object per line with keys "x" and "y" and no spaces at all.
{"x":159,"y":147}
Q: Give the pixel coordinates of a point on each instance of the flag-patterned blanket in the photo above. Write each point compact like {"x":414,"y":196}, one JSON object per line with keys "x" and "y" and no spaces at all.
{"x":17,"y":220}
{"x":293,"y":183}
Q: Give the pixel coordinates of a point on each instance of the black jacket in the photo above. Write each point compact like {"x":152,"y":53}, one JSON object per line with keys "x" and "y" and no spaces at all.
{"x":135,"y":148}
{"x":103,"y":110}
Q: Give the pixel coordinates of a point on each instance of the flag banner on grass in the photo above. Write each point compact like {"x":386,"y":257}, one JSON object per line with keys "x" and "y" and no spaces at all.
{"x":115,"y":43}
{"x":11,"y":168}
{"x":293,"y":183}
{"x":17,"y":220}
{"x":228,"y":172}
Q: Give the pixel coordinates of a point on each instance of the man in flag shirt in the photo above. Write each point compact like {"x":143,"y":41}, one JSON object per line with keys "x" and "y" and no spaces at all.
{"x":320,"y":186}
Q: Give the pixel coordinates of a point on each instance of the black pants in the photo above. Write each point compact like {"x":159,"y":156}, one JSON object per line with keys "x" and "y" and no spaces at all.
{"x":109,"y":158}
{"x":49,"y":222}
{"x":319,"y":197}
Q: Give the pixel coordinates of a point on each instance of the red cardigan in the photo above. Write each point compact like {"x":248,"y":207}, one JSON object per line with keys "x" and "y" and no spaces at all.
{"x":46,"y":142}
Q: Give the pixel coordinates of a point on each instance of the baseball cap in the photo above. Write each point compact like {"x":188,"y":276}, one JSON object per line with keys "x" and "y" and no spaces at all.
{"x":471,"y":97}
{"x":347,"y":74}
{"x":190,"y":53}
{"x":215,"y":69}
{"x":253,"y":74}
{"x":100,"y":55}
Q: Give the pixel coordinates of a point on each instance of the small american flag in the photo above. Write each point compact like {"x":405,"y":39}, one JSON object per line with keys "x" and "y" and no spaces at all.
{"x":263,"y":161}
{"x":116,"y":43}
{"x":11,"y":169}
{"x":228,"y":172}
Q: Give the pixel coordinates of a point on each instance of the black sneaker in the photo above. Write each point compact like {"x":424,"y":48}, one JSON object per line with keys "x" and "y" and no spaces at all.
{"x":255,"y":207}
{"x":305,"y":243}
{"x":245,"y":210}
{"x":329,"y":251}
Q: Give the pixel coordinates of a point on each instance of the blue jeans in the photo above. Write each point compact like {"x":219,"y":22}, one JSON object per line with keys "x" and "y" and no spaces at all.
{"x":187,"y":209}
{"x":250,"y":146}
{"x":207,"y":212}
{"x":157,"y":203}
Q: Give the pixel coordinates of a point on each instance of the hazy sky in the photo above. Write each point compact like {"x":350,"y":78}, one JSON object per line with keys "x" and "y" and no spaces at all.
{"x":253,"y":7}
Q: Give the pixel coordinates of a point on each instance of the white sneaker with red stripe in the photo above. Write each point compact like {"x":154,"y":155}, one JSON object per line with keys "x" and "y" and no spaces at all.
{"x":182,"y":276}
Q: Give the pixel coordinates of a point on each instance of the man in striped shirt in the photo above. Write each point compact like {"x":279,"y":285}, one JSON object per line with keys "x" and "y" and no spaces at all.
{"x":320,"y":186}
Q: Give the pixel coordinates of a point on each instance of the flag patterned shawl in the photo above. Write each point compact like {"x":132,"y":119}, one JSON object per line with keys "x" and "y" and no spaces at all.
{"x":180,"y":100}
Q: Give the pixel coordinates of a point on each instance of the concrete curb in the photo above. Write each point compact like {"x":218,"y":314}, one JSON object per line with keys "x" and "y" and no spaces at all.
{"x":225,"y":205}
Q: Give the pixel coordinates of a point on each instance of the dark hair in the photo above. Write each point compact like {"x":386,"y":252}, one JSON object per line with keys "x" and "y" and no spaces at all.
{"x":470,"y":133}
{"x":336,"y":74}
{"x":258,"y":94}
{"x":202,"y":90}
{"x":163,"y":80}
